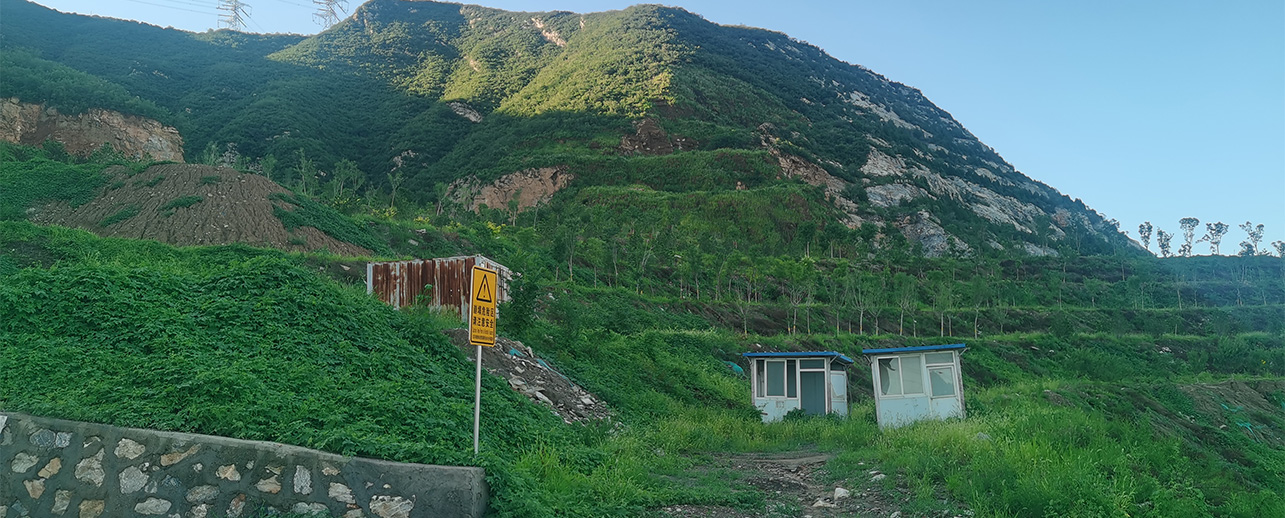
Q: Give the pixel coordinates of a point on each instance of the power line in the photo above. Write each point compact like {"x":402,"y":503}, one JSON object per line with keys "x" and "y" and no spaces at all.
{"x":193,"y":3}
{"x":291,"y":3}
{"x":169,"y":7}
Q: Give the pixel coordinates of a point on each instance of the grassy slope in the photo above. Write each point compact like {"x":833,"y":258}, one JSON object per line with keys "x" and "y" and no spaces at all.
{"x":260,"y":378}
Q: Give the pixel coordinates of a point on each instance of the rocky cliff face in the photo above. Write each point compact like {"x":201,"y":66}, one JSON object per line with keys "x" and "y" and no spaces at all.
{"x":136,"y":137}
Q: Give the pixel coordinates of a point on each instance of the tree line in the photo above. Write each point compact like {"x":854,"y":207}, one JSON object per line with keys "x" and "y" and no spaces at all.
{"x":1214,"y":233}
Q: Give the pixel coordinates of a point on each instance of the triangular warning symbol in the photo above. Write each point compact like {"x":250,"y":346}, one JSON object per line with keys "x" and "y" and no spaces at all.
{"x":484,"y":291}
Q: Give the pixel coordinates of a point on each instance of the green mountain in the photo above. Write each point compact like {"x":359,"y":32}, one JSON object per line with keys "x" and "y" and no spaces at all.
{"x":448,"y":100}
{"x":674,"y":193}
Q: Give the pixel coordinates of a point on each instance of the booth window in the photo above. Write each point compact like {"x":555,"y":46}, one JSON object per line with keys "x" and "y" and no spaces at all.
{"x":791,"y":380}
{"x":760,"y":375}
{"x":890,"y":376}
{"x":902,"y":375}
{"x":936,"y":358}
{"x":777,"y":378}
{"x":943,"y":381}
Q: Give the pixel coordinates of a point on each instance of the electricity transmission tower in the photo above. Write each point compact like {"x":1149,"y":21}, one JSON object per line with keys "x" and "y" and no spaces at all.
{"x":328,"y":11}
{"x":235,"y":13}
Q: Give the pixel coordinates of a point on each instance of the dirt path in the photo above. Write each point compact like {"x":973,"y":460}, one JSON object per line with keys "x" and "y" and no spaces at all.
{"x":793,"y":485}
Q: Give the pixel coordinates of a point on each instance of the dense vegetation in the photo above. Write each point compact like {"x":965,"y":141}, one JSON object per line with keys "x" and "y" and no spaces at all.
{"x":1077,"y":327}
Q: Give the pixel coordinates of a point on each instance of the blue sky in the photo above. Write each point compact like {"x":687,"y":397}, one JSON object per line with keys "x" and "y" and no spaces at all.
{"x":1146,"y":110}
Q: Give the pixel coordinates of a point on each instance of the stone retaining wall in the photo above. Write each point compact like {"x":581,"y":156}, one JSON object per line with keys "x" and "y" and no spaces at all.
{"x":51,"y":467}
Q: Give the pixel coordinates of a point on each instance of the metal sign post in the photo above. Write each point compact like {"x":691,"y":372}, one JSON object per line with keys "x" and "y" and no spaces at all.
{"x":481,"y":332}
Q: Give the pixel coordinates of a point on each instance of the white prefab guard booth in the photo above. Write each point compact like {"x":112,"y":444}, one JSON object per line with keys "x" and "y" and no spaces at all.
{"x":916,"y":383}
{"x":817,"y":382}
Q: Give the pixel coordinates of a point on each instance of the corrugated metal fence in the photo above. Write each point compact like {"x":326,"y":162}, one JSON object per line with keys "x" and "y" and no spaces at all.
{"x":402,"y":283}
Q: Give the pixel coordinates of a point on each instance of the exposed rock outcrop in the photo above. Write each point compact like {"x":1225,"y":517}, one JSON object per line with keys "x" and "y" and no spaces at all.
{"x":135,"y":137}
{"x":466,"y":111}
{"x":923,"y":229}
{"x":551,"y":35}
{"x":529,"y":187}
{"x":796,"y":167}
{"x":893,"y":194}
{"x":651,"y":139}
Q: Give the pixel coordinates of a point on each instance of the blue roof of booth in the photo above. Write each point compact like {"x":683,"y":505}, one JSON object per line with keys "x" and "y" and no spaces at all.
{"x":914,"y":349}
{"x":814,"y":354}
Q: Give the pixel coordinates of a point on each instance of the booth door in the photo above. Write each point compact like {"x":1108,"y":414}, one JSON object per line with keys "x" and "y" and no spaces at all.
{"x":813,"y":391}
{"x":944,"y":401}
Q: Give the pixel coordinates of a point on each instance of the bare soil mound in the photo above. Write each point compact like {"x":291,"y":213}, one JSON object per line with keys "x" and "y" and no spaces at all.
{"x":186,"y":204}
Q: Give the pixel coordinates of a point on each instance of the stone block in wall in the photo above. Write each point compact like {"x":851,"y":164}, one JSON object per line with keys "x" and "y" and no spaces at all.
{"x":51,"y":467}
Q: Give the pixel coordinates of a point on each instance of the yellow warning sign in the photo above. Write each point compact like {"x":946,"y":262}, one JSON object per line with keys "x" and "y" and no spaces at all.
{"x":481,"y":327}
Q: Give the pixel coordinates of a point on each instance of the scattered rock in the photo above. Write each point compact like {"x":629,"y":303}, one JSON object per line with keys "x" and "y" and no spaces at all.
{"x":307,"y":508}
{"x":172,"y":458}
{"x":90,"y":470}
{"x":648,"y":139}
{"x":228,"y":472}
{"x":878,"y":477}
{"x":841,"y":493}
{"x":23,"y":462}
{"x":302,"y":480}
{"x":129,"y":449}
{"x":52,"y":468}
{"x":91,"y":508}
{"x":202,"y":494}
{"x":62,"y":499}
{"x":236,"y":506}
{"x":534,"y":378}
{"x":43,"y":438}
{"x":391,"y":506}
{"x":35,"y":488}
{"x":269,"y":485}
{"x":132,"y":479}
{"x":341,"y":493}
{"x":153,"y":506}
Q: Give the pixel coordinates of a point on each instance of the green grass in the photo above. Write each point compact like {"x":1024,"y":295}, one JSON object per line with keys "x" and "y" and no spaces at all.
{"x":151,"y":183}
{"x":255,"y":347}
{"x":119,"y":216}
{"x":29,"y":177}
{"x":252,"y":343}
{"x":308,"y":213}
{"x":182,"y":202}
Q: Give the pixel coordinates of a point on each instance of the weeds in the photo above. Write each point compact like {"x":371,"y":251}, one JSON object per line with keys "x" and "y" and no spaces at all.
{"x":119,"y":216}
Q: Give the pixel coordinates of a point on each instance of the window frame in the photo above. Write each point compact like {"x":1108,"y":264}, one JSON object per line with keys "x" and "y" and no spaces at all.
{"x":951,"y":380}
{"x":901,"y":382}
{"x":762,"y":382}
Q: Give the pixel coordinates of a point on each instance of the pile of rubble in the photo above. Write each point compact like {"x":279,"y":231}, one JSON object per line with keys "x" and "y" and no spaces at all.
{"x":534,"y":378}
